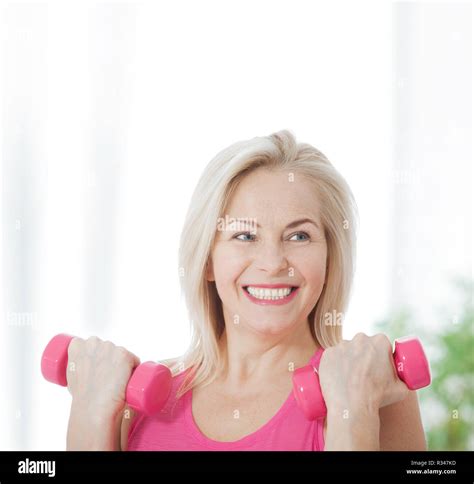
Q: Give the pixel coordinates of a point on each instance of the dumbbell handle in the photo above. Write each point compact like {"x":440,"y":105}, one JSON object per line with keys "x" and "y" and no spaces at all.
{"x":410,"y":362}
{"x":148,"y":387}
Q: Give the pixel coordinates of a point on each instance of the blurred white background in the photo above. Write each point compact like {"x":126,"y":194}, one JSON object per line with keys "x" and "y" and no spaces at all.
{"x":110,"y":112}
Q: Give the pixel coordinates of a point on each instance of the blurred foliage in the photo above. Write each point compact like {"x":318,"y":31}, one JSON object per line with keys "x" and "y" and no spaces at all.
{"x":450,"y":351}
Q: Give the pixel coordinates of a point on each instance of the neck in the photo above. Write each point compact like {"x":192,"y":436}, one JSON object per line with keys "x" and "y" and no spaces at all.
{"x":256,"y":358}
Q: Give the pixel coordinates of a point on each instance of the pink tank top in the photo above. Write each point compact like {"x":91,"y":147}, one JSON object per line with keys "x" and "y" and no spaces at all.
{"x":174,"y":428}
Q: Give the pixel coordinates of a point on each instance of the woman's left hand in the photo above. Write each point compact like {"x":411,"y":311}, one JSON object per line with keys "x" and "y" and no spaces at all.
{"x":360,"y":372}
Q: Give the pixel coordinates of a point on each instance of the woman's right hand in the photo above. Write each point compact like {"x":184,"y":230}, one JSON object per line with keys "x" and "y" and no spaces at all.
{"x":98,"y":373}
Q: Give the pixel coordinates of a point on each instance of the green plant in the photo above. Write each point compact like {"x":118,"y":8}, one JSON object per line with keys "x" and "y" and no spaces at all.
{"x":451,"y":353}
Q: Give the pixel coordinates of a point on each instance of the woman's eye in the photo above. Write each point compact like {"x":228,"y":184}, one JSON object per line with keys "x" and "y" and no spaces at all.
{"x":304,"y":234}
{"x":245,"y":234}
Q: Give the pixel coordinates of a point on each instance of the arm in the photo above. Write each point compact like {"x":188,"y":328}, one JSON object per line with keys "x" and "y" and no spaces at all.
{"x":396,"y":427}
{"x":127,"y":419}
{"x":109,"y":433}
{"x":354,"y":428}
{"x":401,"y":427}
{"x":87,"y":430}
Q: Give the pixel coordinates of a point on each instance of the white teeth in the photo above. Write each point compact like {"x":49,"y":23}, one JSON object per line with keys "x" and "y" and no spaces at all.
{"x":264,"y":293}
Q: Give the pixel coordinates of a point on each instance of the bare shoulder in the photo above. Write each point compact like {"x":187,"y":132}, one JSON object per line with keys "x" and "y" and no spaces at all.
{"x":129,"y":414}
{"x":401,"y":426}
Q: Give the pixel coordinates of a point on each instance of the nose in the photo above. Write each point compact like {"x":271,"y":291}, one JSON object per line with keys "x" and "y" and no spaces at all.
{"x":271,"y":258}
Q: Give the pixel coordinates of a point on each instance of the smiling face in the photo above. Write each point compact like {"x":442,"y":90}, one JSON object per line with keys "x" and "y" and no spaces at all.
{"x":276,"y":252}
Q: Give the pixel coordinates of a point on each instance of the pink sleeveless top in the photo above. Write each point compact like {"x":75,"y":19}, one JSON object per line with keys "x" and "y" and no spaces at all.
{"x":174,"y":428}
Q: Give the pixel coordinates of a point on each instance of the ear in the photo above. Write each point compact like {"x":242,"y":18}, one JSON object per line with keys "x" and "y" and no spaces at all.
{"x":210,"y":271}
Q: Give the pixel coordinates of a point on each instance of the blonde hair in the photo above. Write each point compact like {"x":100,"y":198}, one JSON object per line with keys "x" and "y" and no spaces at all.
{"x":279,"y":151}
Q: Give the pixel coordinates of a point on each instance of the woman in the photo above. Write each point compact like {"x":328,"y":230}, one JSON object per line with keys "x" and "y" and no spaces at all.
{"x":266,"y":263}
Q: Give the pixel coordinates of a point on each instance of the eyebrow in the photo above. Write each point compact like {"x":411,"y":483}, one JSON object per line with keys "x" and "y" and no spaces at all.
{"x":294,"y":224}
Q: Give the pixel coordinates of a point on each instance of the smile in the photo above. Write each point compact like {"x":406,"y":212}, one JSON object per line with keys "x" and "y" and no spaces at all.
{"x":270,"y":294}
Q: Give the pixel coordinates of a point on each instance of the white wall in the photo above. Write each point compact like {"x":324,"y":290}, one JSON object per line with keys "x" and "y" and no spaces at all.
{"x":431,"y":229}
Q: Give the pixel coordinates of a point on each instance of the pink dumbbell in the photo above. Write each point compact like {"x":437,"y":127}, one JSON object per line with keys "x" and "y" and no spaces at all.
{"x":410,"y":361}
{"x":147,"y":390}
